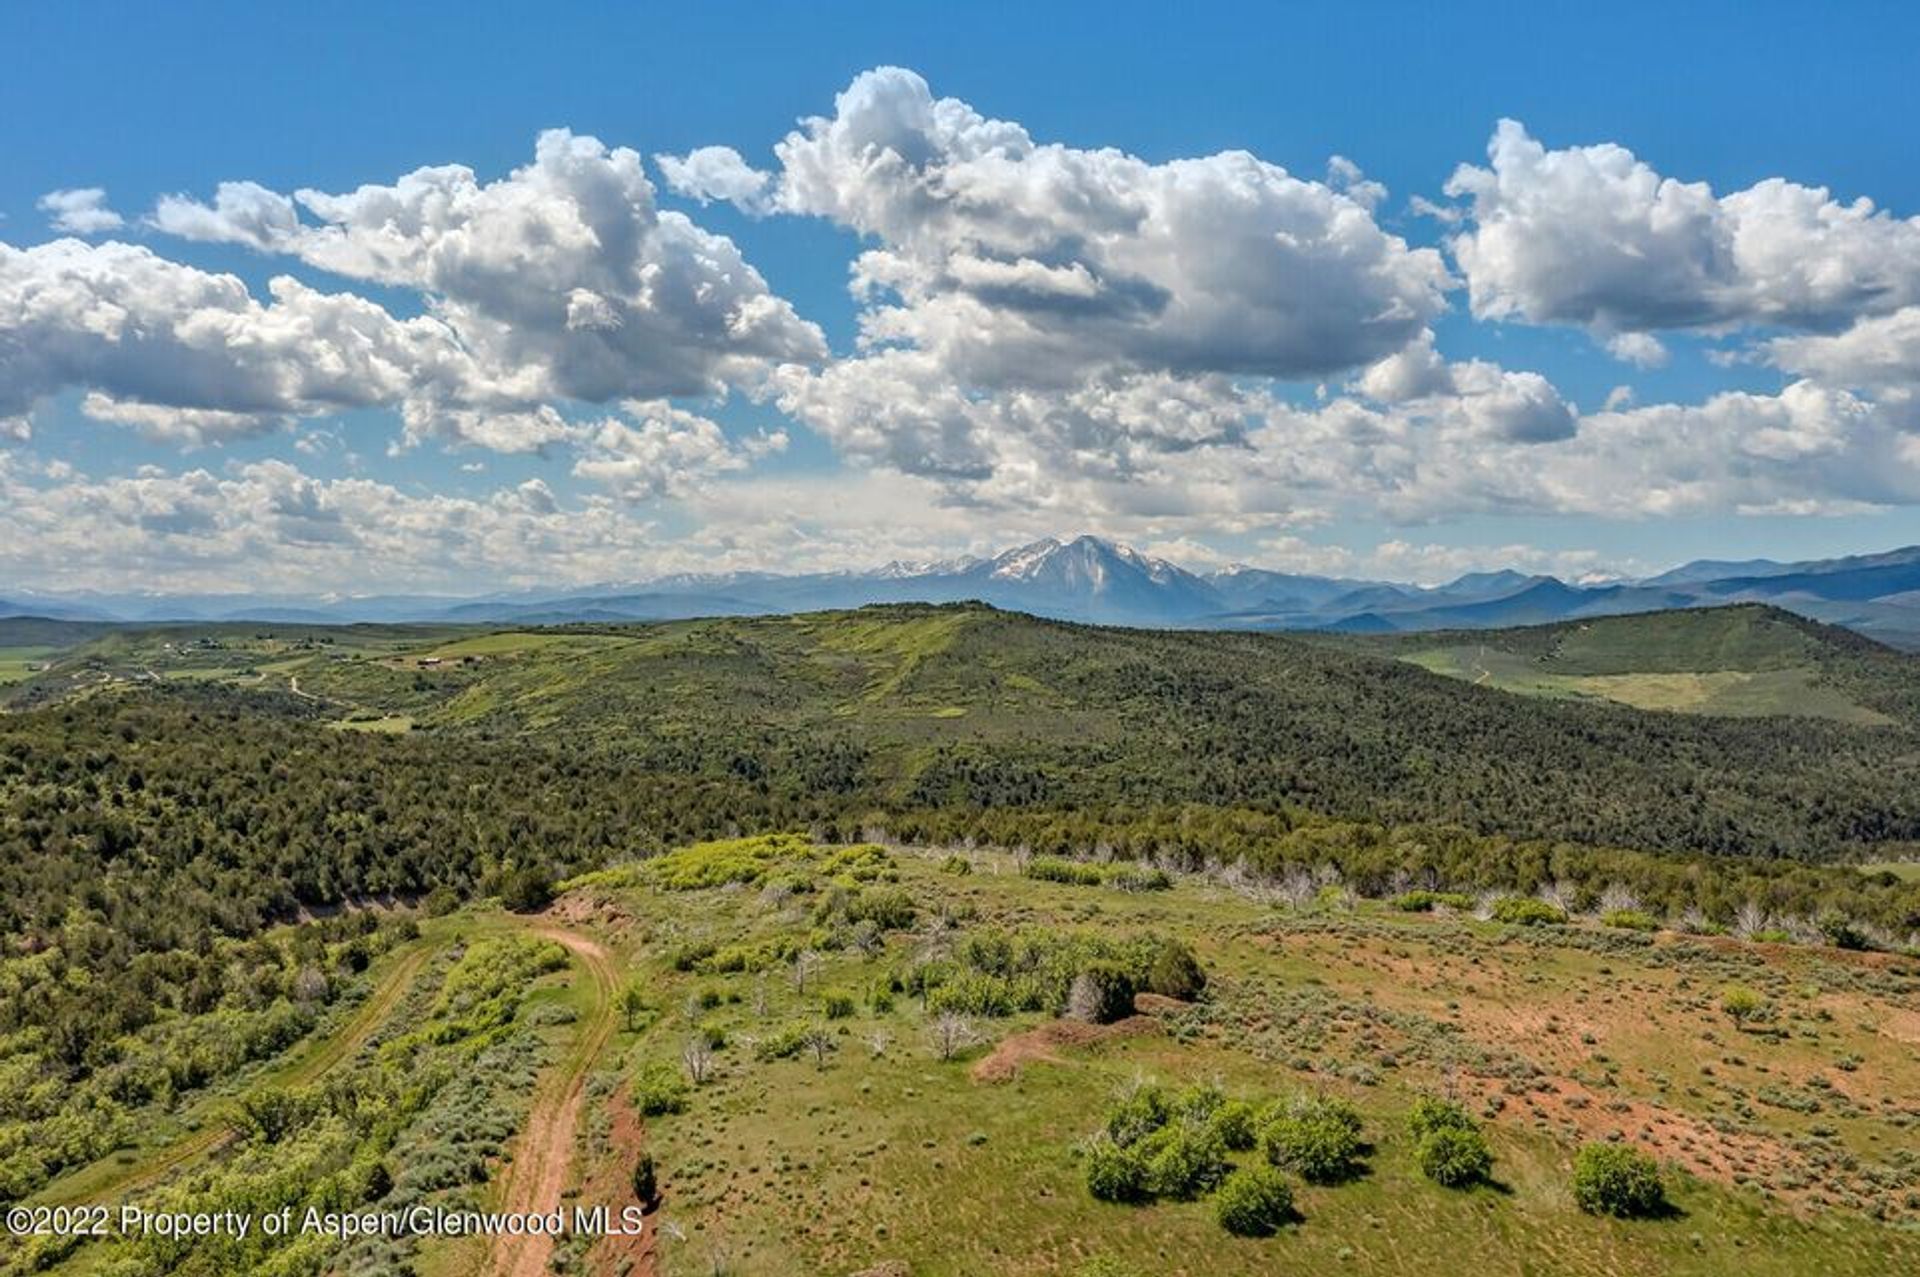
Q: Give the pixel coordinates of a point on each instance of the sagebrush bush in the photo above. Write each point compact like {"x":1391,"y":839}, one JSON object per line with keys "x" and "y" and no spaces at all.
{"x":1525,"y":911}
{"x":1617,"y":1180}
{"x":1254,"y":1201}
{"x":1318,"y":1139}
{"x":1184,"y":1159}
{"x":1454,"y":1156}
{"x":659,"y":1089}
{"x":1115,"y":1173}
{"x":1175,"y":972}
{"x":1234,"y":1121}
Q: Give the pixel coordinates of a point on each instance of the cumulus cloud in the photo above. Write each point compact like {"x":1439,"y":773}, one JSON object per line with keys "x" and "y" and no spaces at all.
{"x":1642,"y":350}
{"x":1022,"y":262}
{"x":720,"y":173}
{"x":1595,"y":236}
{"x":1879,"y":353}
{"x":82,"y":211}
{"x":563,"y":277}
{"x":661,"y":450}
{"x":1031,"y":307}
{"x":1475,"y":398}
{"x":192,"y":356}
{"x":269,"y":526}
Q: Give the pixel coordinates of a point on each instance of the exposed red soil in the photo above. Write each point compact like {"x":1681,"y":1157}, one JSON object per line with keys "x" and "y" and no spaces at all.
{"x":1041,"y":1045}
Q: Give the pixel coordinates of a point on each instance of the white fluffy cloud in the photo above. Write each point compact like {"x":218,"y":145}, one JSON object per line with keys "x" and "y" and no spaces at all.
{"x":664,"y":451}
{"x":1879,"y":353}
{"x":80,"y":212}
{"x":192,"y":356}
{"x":1021,"y":262}
{"x":1033,"y":307}
{"x":562,"y":277}
{"x":1595,"y":236}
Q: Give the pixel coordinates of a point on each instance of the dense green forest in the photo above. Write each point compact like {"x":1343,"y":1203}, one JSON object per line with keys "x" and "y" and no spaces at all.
{"x":964,"y":705}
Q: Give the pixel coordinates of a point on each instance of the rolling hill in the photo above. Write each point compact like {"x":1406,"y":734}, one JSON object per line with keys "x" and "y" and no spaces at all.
{"x":1743,"y":660}
{"x":965,"y":704}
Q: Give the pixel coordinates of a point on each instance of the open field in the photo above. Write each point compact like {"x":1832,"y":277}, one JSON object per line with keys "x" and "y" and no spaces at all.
{"x":964,"y":1167}
{"x":1787,"y":1144}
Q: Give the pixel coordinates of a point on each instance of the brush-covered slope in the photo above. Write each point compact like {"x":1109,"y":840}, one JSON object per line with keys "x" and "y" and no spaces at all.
{"x":965,"y":704}
{"x":1740,"y":661}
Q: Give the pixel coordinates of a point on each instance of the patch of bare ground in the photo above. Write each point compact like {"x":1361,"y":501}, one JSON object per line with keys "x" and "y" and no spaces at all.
{"x":1042,"y":1045}
{"x":585,"y":909}
{"x":1685,"y":1141}
{"x":611,"y":1183}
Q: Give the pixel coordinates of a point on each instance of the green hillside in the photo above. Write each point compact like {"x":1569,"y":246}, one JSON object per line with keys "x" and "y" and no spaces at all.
{"x":990,"y":894}
{"x":913,"y":706}
{"x":1737,"y":662}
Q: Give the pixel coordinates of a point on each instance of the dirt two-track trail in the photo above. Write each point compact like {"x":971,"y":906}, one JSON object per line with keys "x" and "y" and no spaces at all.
{"x":543,"y":1156}
{"x":320,"y":1058}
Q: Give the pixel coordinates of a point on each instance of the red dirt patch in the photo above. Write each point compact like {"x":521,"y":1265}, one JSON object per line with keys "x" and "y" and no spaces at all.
{"x":1674,"y":1137}
{"x":1015,"y":1051}
{"x":612,"y":1184}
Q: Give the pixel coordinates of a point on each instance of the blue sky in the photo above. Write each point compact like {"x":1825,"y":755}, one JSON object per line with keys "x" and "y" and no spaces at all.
{"x":1522,"y":438}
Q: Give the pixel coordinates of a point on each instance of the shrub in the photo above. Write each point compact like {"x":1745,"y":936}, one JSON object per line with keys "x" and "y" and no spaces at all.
{"x":1430,"y":1113}
{"x":1138,"y":1115}
{"x":1317,"y":1139}
{"x":784,"y":1044}
{"x":526,"y":890}
{"x":1840,"y":931}
{"x":1101,"y":993}
{"x":689,"y":956}
{"x":1743,"y":1006}
{"x":659,"y":1089}
{"x":1525,"y":911}
{"x":1115,"y":1173}
{"x":1629,"y":920}
{"x":1059,"y":869}
{"x":646,"y":1180}
{"x":1175,"y":972}
{"x":1617,"y":1180}
{"x":890,"y":908}
{"x":1254,"y":1201}
{"x":1427,"y":901}
{"x":957,"y":864}
{"x":837,"y":1006}
{"x":1184,"y":1159}
{"x":1233,"y":1121}
{"x":1131,"y":878}
{"x":1454,"y":1156}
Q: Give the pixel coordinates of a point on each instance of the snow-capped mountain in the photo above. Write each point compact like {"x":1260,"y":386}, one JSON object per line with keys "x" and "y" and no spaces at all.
{"x":1091,"y":579}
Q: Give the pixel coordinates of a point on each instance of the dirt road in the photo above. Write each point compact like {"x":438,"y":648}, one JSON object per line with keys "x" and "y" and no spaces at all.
{"x":219,"y":1131}
{"x":543,"y":1155}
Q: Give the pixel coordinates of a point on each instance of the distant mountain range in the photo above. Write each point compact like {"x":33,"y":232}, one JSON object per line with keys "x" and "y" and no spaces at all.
{"x":1089,"y":579}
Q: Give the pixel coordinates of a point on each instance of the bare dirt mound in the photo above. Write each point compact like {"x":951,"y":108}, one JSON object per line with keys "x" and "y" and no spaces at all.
{"x":1042,"y":1044}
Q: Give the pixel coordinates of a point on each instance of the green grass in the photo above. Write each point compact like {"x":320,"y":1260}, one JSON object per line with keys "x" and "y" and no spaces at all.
{"x":20,"y":663}
{"x":788,"y":1166}
{"x":1906,"y":870}
{"x":1732,"y":662}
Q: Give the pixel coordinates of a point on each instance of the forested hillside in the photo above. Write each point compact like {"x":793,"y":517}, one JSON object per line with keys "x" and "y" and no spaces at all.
{"x":936,"y":706}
